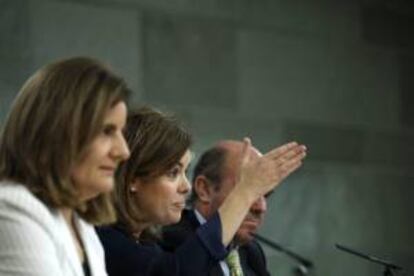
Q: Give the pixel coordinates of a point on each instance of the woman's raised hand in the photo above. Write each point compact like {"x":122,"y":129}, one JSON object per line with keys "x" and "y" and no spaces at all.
{"x":259,"y":175}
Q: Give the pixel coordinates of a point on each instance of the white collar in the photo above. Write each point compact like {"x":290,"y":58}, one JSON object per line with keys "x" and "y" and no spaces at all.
{"x":199,"y":217}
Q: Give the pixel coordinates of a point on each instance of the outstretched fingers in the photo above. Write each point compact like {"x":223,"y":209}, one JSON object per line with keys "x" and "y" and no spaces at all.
{"x":286,"y":159}
{"x":291,"y":165}
{"x":285,"y":153}
{"x":298,"y":151}
{"x":281,"y":150}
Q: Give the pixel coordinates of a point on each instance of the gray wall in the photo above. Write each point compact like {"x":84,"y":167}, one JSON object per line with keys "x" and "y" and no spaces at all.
{"x":336,"y":75}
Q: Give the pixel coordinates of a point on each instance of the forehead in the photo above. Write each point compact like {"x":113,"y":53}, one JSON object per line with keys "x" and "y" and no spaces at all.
{"x":232,"y":160}
{"x":186,"y":158}
{"x":117,"y":107}
{"x":233,"y":154}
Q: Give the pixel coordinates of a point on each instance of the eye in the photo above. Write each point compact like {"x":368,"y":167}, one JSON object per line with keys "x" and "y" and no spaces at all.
{"x":174,"y":172}
{"x":108,"y":129}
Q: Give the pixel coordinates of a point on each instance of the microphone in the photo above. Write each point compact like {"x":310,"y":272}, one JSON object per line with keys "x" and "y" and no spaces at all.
{"x":304,"y":262}
{"x":387,"y":265}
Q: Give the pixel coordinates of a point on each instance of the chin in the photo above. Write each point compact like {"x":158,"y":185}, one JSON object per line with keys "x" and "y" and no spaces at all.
{"x":106,"y":187}
{"x":170,"y":220}
{"x":175,"y":220}
{"x":244,"y":236}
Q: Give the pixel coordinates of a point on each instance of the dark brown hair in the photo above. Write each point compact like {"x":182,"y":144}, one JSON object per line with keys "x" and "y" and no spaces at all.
{"x":157,"y":142}
{"x":54,"y":118}
{"x":211,"y":165}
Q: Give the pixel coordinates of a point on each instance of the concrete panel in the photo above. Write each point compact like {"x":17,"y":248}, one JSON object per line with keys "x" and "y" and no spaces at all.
{"x":363,"y":86}
{"x":306,"y":78}
{"x":407,"y":88}
{"x":388,"y":27}
{"x":208,"y":127}
{"x":8,"y":92}
{"x":62,"y":29}
{"x":354,"y":145}
{"x":15,"y":54}
{"x":321,"y":205}
{"x":329,"y":143}
{"x":393,"y":149}
{"x":189,"y":61}
{"x":316,"y":17}
{"x":279,"y":73}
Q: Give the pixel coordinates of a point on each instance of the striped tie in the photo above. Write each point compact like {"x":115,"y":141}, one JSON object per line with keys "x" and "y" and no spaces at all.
{"x":233,"y":262}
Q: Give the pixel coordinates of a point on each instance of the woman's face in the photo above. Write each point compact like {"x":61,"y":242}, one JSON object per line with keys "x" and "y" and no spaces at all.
{"x":94,"y":173}
{"x":162,"y":200}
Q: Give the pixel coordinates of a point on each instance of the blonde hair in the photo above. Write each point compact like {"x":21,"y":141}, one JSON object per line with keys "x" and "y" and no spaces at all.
{"x":54,"y":118}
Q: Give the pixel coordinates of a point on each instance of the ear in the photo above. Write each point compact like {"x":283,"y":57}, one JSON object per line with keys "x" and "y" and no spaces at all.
{"x":203,"y":189}
{"x":135,"y":185}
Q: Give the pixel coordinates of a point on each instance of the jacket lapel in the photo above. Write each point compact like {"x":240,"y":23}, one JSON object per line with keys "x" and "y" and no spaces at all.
{"x":69,"y":248}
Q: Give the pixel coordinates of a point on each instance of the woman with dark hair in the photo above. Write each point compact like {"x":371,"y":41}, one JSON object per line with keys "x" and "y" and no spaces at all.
{"x":151,"y":191}
{"x":60,"y":146}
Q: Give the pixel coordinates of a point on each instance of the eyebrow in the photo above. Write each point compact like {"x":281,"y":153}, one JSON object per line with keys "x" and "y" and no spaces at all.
{"x":179,"y":163}
{"x":113,"y":125}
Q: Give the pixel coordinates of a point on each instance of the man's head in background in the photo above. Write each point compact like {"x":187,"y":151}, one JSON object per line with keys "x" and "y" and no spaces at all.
{"x":215,"y":175}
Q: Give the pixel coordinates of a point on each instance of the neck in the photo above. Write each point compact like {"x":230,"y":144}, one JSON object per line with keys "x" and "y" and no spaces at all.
{"x":139,"y":228}
{"x":67,"y":215}
{"x":203,"y":209}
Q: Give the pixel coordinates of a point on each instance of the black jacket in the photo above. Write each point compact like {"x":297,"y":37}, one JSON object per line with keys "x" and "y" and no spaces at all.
{"x":252,"y":258}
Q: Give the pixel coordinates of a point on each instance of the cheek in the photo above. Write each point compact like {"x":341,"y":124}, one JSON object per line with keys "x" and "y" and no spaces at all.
{"x":78,"y":175}
{"x":152,"y":204}
{"x":217,"y":201}
{"x":167,"y":212}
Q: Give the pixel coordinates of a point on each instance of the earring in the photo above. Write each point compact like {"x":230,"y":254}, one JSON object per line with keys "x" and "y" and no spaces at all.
{"x":132,"y":189}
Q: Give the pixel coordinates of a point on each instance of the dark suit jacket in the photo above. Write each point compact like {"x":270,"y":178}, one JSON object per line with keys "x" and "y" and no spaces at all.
{"x":125,"y":257}
{"x":252,"y":257}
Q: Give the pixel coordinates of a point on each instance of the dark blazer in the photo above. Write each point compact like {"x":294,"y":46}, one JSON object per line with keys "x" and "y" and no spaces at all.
{"x":125,"y":257}
{"x":252,"y":258}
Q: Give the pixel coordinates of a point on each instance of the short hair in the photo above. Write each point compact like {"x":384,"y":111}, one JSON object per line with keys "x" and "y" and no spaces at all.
{"x":157,"y":142}
{"x":211,"y":165}
{"x":56,"y":115}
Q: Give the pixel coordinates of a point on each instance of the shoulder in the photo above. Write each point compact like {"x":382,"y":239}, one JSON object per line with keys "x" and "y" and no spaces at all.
{"x":115,"y":240}
{"x":176,"y":234}
{"x":255,"y":257}
{"x":187,"y":223}
{"x":17,"y":201}
{"x":27,"y":226}
{"x":254,"y":248}
{"x":112,"y":234}
{"x":123,"y":255}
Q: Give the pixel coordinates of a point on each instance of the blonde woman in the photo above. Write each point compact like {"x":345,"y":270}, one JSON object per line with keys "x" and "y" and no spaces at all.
{"x":60,"y":146}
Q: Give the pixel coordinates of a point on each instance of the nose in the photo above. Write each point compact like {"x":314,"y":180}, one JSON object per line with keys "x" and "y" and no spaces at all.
{"x":259,"y":206}
{"x":185,"y":186}
{"x":121,"y":149}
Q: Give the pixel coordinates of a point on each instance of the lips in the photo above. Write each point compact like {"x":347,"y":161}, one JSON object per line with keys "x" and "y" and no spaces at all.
{"x":180,"y":205}
{"x":110,"y":170}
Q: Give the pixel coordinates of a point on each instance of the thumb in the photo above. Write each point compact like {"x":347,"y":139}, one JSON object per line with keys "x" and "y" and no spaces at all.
{"x":245,"y":156}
